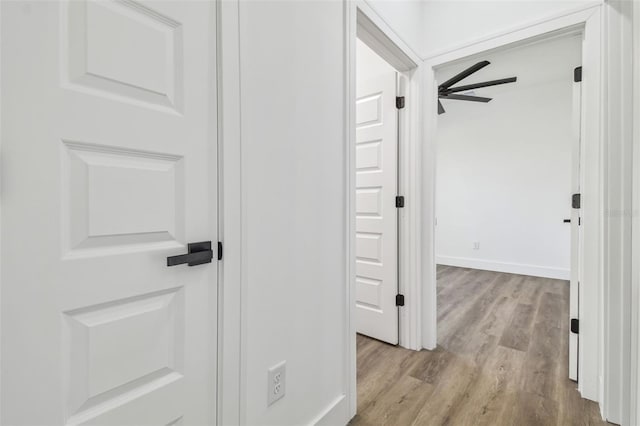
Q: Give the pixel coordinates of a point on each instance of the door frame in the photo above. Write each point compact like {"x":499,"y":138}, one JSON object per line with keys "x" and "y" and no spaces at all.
{"x":587,"y":21}
{"x":363,"y":22}
{"x":232,"y":283}
{"x":633,"y":402}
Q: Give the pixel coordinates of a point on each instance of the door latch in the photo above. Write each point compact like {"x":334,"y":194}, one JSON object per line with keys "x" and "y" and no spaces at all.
{"x":198,"y":254}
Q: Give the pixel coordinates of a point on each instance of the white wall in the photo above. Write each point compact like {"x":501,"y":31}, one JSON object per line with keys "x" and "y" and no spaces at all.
{"x":449,"y":24}
{"x":504,"y":168}
{"x":293,"y":146}
{"x":294,"y":230}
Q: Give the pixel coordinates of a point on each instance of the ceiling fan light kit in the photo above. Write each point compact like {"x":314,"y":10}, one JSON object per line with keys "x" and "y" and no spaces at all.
{"x":446,"y":91}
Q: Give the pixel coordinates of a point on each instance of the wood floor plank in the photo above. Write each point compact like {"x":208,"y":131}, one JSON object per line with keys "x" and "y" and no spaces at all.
{"x":465,"y":326}
{"x":449,"y":393}
{"x":543,"y":359}
{"x":498,"y":318}
{"x":401,"y":403}
{"x":501,"y":360}
{"x":532,"y":410}
{"x":489,"y":395}
{"x":381,"y":370}
{"x":517,"y":334}
{"x":431,"y":365}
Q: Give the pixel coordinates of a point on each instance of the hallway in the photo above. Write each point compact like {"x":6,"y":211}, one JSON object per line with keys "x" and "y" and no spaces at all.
{"x":501,"y":359}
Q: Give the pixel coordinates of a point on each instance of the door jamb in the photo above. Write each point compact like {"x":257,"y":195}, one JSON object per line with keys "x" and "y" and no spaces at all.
{"x":588,"y":21}
{"x":363,"y":22}
{"x":231,"y":282}
{"x":634,"y":397}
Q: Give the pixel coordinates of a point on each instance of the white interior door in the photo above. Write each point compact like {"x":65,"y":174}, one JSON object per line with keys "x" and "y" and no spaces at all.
{"x":108,"y":167}
{"x":376,"y":190}
{"x":576,"y":255}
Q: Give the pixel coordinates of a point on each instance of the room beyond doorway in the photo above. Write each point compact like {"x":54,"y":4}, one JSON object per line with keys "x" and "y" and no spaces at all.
{"x":507,"y":170}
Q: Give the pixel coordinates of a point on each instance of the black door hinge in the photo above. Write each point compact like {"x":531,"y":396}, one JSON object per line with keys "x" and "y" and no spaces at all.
{"x":576,"y":201}
{"x":399,"y":299}
{"x":577,"y":74}
{"x":575,"y":325}
{"x":399,"y":201}
{"x":219,"y":250}
{"x":399,"y":102}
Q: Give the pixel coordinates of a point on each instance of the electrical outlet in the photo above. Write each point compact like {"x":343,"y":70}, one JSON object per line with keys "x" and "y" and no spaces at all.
{"x":276,"y":385}
{"x":476,"y":245}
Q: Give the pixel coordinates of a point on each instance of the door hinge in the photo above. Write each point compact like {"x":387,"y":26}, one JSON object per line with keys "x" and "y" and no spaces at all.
{"x":219,"y":250}
{"x":575,"y":325}
{"x":577,"y":74}
{"x":399,"y":201}
{"x":399,"y":102}
{"x":576,"y":201}
{"x":399,"y":299}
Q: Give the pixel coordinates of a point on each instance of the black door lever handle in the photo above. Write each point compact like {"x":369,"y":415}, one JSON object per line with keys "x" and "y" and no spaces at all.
{"x":198,"y":254}
{"x":566,"y":221}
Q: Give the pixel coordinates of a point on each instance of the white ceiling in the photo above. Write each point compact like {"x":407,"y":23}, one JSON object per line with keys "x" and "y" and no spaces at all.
{"x":537,"y":63}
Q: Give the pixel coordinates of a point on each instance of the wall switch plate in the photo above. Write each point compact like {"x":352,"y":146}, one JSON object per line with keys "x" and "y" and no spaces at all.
{"x":276,"y":385}
{"x":476,"y":245}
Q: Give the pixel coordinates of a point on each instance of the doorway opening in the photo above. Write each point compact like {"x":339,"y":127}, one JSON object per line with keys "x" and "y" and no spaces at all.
{"x":378,"y":199}
{"x":383,"y":125}
{"x":508,"y":225}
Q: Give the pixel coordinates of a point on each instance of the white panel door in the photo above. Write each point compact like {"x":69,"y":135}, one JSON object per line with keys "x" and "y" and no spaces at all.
{"x":108,"y":167}
{"x":376,"y":213}
{"x":576,"y":229}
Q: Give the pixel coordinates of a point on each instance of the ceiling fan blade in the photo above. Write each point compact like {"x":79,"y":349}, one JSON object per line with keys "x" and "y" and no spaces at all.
{"x":465,"y":98}
{"x":464,"y":74}
{"x":440,"y":108}
{"x":479,"y":85}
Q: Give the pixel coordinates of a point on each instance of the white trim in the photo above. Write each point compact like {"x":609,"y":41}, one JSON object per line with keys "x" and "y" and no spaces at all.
{"x":554,"y":26}
{"x":634,"y":397}
{"x":231,"y":401}
{"x":350,"y":198}
{"x":403,"y":57}
{"x":510,"y":268}
{"x":592,"y":211}
{"x":409,"y":216}
{"x":334,"y":414}
{"x":591,"y":296}
{"x":492,"y":38}
{"x":618,"y":131}
{"x":1,"y":198}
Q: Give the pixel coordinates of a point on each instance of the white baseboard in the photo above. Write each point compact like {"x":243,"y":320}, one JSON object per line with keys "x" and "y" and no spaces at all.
{"x":337,"y":413}
{"x":511,"y":268}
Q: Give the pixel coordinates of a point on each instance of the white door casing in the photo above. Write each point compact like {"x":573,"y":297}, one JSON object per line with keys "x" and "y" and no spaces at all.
{"x":576,"y":228}
{"x":108,"y":167}
{"x":376,"y":189}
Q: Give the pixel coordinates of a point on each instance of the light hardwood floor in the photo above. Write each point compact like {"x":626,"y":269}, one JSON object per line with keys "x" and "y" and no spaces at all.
{"x":501,"y":359}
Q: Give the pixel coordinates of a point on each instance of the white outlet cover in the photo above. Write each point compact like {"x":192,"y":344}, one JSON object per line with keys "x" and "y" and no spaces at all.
{"x":276,"y":382}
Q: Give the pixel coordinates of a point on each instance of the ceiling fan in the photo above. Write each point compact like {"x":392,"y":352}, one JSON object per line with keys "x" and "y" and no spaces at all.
{"x":445,"y":91}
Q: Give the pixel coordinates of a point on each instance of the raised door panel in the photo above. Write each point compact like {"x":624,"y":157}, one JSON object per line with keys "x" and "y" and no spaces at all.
{"x":123,"y":48}
{"x":121,"y":350}
{"x":117,"y":199}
